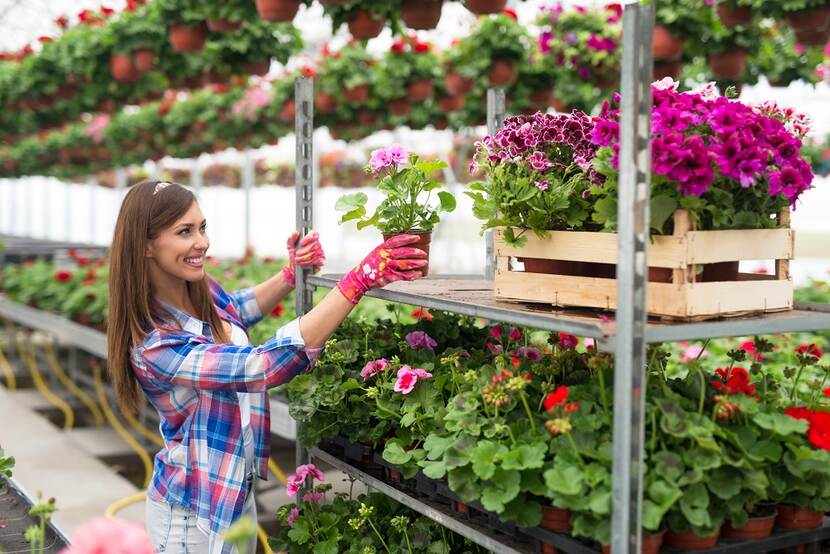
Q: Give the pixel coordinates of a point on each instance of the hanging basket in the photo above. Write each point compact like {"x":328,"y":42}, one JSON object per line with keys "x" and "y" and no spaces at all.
{"x":667,"y":69}
{"x":480,"y":7}
{"x":420,"y":90}
{"x":325,"y":103}
{"x":122,"y":69}
{"x":451,"y":103}
{"x":277,"y":10}
{"x":730,"y":64}
{"x":363,"y":26}
{"x":223,"y":25}
{"x":502,"y":73}
{"x":144,"y":60}
{"x":288,"y":111}
{"x":257,"y":68}
{"x":813,"y":19}
{"x":812,"y":37}
{"x":539,"y":100}
{"x":734,"y":15}
{"x":421,"y":14}
{"x":188,"y":38}
{"x":666,"y":46}
{"x":357,"y":95}
{"x":457,"y":84}
{"x":400,"y":107}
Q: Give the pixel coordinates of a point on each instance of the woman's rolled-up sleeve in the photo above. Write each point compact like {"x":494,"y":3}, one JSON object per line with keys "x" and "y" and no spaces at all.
{"x":246,"y":306}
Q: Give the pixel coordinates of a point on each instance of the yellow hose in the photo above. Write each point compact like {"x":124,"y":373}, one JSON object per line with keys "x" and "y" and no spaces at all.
{"x":275,"y":469}
{"x":11,"y":382}
{"x":69,"y":384}
{"x":102,"y":399}
{"x":29,"y":359}
{"x":263,"y":539}
{"x":118,"y":505}
{"x":142,"y":430}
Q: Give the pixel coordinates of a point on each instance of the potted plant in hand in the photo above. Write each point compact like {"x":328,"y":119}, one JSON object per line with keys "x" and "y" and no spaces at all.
{"x":408,"y":184}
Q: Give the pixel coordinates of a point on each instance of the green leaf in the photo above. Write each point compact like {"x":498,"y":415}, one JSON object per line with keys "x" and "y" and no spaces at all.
{"x":394,"y":454}
{"x":766,"y":450}
{"x":463,"y":482}
{"x":605,"y":211}
{"x":600,"y":502}
{"x":433,"y":470}
{"x":564,"y":480}
{"x":483,"y":457}
{"x":724,"y":482}
{"x":447,"y":201}
{"x":501,"y":489}
{"x":661,"y":209}
{"x":781,"y":424}
{"x":299,"y":531}
{"x":328,"y":547}
{"x":668,"y":465}
{"x":701,"y":459}
{"x":694,"y":505}
{"x":526,"y":513}
{"x":435,"y":445}
{"x":349,"y":202}
{"x":527,"y":456}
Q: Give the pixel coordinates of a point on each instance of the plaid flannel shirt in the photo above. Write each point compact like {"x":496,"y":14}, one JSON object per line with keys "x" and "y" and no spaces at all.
{"x":193,"y":383}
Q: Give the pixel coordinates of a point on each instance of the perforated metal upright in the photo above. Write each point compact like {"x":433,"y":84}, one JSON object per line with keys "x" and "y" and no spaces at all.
{"x":495,"y":121}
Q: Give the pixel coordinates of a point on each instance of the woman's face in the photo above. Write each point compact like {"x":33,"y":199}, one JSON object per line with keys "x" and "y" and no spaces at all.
{"x":178,"y":253}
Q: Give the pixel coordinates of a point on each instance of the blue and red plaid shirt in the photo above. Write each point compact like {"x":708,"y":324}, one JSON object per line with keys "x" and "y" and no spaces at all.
{"x":193,"y":382}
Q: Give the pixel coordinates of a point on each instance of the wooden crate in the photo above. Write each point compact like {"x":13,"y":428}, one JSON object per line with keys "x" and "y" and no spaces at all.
{"x":683,"y":298}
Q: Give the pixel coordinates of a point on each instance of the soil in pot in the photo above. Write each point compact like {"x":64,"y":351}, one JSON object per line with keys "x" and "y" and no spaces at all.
{"x":665,"y":45}
{"x":421,"y":14}
{"x":363,"y":26}
{"x":420,"y":89}
{"x":688,"y":540}
{"x":325,"y":103}
{"x":424,"y":240}
{"x":755,"y":528}
{"x":502,"y":73}
{"x":457,"y":84}
{"x":485,"y":6}
{"x":400,"y":107}
{"x":358,"y":94}
{"x":277,"y":10}
{"x":144,"y":59}
{"x":730,"y":64}
{"x":122,"y":69}
{"x":223,"y":25}
{"x":651,"y":544}
{"x":720,"y":271}
{"x":792,"y":517}
{"x":188,"y":38}
{"x":556,"y":519}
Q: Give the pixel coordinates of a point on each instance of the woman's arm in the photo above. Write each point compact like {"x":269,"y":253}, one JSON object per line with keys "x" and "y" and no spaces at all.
{"x":271,"y":292}
{"x":306,"y":253}
{"x":317,"y":325}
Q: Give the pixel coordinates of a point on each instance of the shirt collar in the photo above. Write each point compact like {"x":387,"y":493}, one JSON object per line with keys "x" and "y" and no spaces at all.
{"x":186,"y":321}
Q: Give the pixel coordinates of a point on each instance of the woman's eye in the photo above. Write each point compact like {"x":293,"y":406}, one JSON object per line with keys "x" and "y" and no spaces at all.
{"x":184,"y":231}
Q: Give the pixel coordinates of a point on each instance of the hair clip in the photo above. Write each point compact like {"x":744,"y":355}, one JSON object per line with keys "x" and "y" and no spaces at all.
{"x":160,"y":186}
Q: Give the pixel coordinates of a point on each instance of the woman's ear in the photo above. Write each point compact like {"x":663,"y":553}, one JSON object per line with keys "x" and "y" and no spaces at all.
{"x":148,"y":250}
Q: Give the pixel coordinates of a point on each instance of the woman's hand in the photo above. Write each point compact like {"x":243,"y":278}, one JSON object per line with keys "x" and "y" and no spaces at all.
{"x":389,"y":262}
{"x":307,"y":253}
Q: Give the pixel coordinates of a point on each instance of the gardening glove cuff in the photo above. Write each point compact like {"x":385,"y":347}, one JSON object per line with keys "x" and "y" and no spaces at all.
{"x":389,"y":262}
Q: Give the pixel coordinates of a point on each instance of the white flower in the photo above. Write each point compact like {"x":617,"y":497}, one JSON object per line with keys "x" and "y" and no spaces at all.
{"x":666,"y":83}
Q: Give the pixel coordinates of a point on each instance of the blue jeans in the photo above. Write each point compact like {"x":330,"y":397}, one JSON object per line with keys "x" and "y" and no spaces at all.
{"x":172,"y":529}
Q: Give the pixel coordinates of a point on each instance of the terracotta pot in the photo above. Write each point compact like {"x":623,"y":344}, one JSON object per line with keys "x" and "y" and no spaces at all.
{"x":754,"y":529}
{"x":667,"y":69}
{"x":421,"y":14}
{"x":277,"y":10}
{"x":363,"y":26}
{"x":223,"y":25}
{"x":401,"y":107}
{"x":441,"y":123}
{"x":730,"y":64}
{"x":144,"y":59}
{"x":555,"y":267}
{"x":557,"y":104}
{"x":257,"y":68}
{"x":502,"y":73}
{"x":122,"y":69}
{"x":721,"y":271}
{"x":792,"y":517}
{"x":687,"y":540}
{"x":553,"y":518}
{"x":325,"y":103}
{"x":366,"y":117}
{"x":425,"y":238}
{"x":665,"y":45}
{"x":215,"y":78}
{"x":548,"y":548}
{"x":358,"y":94}
{"x":734,"y":15}
{"x":287,"y":112}
{"x":539,"y":100}
{"x":456,"y":84}
{"x":460,"y":508}
{"x":812,"y":37}
{"x":188,"y":38}
{"x":394,"y":475}
{"x":451,"y":103}
{"x":813,"y":19}
{"x":651,"y":544}
{"x":485,"y":6}
{"x":420,"y":89}
{"x":660,"y":274}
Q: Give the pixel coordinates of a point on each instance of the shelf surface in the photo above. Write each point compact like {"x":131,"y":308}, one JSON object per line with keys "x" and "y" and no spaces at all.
{"x":474,"y":297}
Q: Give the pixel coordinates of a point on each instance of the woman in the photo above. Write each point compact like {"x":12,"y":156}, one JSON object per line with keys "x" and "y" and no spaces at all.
{"x":174,"y":333}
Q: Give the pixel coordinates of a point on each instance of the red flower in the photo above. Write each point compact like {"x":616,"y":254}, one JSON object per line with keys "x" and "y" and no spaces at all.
{"x":421,"y":313}
{"x":62,"y":22}
{"x":515,"y":361}
{"x":398,"y":46}
{"x":107,"y":11}
{"x":568,"y":342}
{"x":616,"y":12}
{"x":44,"y":39}
{"x":133,"y":4}
{"x":556,"y":397}
{"x":90,"y":277}
{"x":422,"y":47}
{"x":515,"y":334}
{"x":511,"y":13}
{"x":749,"y":347}
{"x":809,"y":350}
{"x":278,"y":310}
{"x":799,"y":412}
{"x":571,"y":407}
{"x":309,"y":71}
{"x":826,"y":391}
{"x":819,"y":432}
{"x":63,"y":276}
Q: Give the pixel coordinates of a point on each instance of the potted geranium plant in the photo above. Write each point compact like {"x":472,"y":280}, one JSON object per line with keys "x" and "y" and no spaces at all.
{"x":365,"y":18}
{"x":499,"y":46}
{"x":809,"y":19}
{"x":408,"y":70}
{"x":408,"y":183}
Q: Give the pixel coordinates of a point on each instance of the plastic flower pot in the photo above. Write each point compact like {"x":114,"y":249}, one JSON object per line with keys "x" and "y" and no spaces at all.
{"x":122,"y":69}
{"x":366,"y":117}
{"x":812,"y":37}
{"x":144,"y":60}
{"x":400,"y":107}
{"x":421,"y":14}
{"x":665,"y":45}
{"x":485,"y":6}
{"x":451,"y":103}
{"x":812,"y":19}
{"x":720,"y":271}
{"x":358,"y":94}
{"x":420,"y":89}
{"x":754,"y":529}
{"x":277,"y":10}
{"x":793,"y":517}
{"x":460,"y":508}
{"x":689,"y":540}
{"x":539,"y":100}
{"x":257,"y":68}
{"x":363,"y":26}
{"x":556,"y":267}
{"x":502,"y":73}
{"x":457,"y":84}
{"x":325,"y":103}
{"x":548,"y":548}
{"x":441,"y":123}
{"x":729,"y":64}
{"x":667,"y":69}
{"x":556,"y":519}
{"x":223,"y":25}
{"x":651,"y":544}
{"x":424,"y":240}
{"x":734,"y":15}
{"x":287,"y":112}
{"x":188,"y":38}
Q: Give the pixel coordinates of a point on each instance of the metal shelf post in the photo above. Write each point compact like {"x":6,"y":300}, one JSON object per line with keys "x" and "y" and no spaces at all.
{"x":495,"y":121}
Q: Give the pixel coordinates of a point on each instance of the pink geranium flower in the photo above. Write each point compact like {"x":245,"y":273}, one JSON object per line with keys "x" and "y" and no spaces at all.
{"x":292,"y":515}
{"x":294,"y":482}
{"x":693,"y":352}
{"x":408,"y":378}
{"x":373,"y":367}
{"x":109,"y":536}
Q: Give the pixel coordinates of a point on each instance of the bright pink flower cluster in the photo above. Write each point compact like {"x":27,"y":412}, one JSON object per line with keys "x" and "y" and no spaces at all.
{"x":408,"y":378}
{"x":294,"y":482}
{"x":390,"y":157}
{"x":374,"y":366}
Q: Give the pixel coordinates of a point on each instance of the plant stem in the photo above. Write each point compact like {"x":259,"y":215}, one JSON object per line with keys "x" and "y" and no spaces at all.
{"x":795,"y":383}
{"x":406,"y":536}
{"x":576,"y":450}
{"x":819,"y":390}
{"x":379,"y":535}
{"x":527,"y":410}
{"x":602,"y":396}
{"x":702,"y":391}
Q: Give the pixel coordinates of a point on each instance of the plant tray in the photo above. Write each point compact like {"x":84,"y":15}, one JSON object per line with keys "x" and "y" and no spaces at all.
{"x":684,"y":298}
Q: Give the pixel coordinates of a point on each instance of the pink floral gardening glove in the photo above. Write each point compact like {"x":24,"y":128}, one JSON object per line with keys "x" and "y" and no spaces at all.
{"x":308,"y":253}
{"x":389,"y":262}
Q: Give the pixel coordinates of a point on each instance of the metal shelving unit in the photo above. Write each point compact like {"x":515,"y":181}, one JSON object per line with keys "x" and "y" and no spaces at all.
{"x":626,"y":336}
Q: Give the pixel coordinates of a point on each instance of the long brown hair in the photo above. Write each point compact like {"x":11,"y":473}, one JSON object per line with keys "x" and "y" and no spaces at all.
{"x":147,"y":210}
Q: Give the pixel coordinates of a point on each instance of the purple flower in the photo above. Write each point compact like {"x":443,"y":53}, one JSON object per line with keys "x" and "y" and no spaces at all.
{"x":313,"y":497}
{"x":532,"y":354}
{"x":787,"y":180}
{"x":397,"y":154}
{"x":387,"y":157}
{"x":542,"y":185}
{"x":538,"y":161}
{"x":544,"y":42}
{"x":605,"y":132}
{"x":419,"y":339}
{"x":292,"y":515}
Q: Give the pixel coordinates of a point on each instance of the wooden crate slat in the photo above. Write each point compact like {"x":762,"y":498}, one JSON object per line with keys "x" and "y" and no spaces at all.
{"x":738,"y":296}
{"x":751,"y":244}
